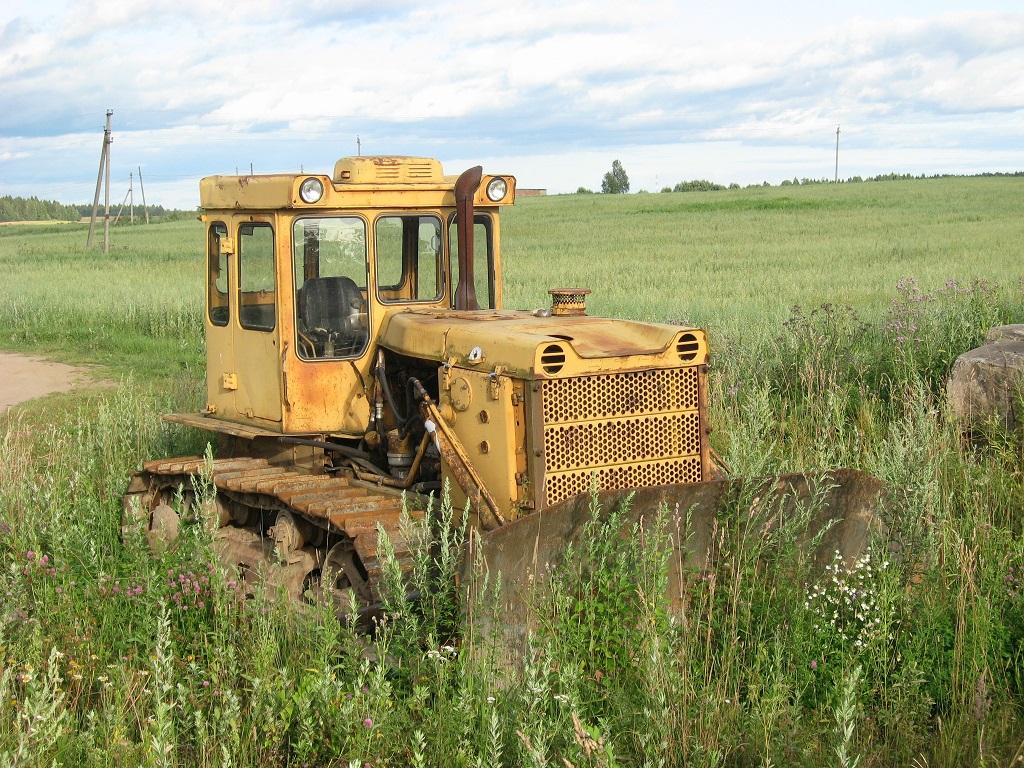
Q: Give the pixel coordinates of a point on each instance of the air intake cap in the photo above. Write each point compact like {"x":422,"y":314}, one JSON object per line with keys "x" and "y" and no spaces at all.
{"x":566,"y":302}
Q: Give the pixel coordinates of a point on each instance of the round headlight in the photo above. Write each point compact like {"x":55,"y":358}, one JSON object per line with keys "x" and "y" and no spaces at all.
{"x":311,"y":190}
{"x":497,"y":189}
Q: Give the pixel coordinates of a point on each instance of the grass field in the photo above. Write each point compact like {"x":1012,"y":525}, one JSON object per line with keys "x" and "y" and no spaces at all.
{"x":113,"y":657}
{"x":742,"y":258}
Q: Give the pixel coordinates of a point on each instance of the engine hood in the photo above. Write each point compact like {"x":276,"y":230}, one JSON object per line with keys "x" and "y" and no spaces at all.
{"x":517,"y":340}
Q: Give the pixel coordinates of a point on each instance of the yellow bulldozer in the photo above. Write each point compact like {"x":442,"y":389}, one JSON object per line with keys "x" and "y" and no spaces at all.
{"x":359,"y":351}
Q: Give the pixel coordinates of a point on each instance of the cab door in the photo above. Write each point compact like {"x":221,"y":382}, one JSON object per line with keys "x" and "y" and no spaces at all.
{"x":256,"y":336}
{"x":221,"y":282}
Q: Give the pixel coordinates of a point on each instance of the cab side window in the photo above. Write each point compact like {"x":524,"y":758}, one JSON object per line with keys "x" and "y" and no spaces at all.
{"x":483,"y":259}
{"x":408,"y":258}
{"x":257,"y":301}
{"x":217,"y":275}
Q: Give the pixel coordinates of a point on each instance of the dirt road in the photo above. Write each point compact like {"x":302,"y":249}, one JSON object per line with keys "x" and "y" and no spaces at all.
{"x":24,"y":378}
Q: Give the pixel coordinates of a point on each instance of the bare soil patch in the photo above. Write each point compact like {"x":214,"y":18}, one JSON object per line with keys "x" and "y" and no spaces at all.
{"x":26,"y":378}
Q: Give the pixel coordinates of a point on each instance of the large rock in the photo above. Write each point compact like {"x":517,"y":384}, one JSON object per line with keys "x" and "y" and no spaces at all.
{"x":986,"y":382}
{"x":1006,"y":333}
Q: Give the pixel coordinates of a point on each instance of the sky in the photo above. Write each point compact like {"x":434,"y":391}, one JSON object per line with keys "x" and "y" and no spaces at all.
{"x":551,"y":92}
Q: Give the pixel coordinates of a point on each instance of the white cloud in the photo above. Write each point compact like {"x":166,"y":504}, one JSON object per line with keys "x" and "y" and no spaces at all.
{"x":199,"y":86}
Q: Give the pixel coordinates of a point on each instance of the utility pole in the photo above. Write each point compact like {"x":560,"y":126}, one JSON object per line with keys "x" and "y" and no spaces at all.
{"x":131,"y":197}
{"x":106,"y":193}
{"x":142,"y":189}
{"x":104,"y":164}
{"x":837,"y":154}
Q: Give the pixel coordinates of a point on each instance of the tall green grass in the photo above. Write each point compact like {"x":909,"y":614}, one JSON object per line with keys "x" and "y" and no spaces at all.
{"x":137,"y":308}
{"x":737,"y":260}
{"x":912,"y":656}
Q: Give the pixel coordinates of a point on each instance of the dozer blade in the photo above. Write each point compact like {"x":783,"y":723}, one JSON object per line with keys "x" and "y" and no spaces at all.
{"x":838,"y":510}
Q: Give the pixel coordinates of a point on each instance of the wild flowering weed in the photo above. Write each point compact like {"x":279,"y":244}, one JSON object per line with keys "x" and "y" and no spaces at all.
{"x":927,"y":330}
{"x":846,"y":605}
{"x":130,"y":589}
{"x":1014,"y":582}
{"x":39,"y":711}
{"x":160,"y":741}
{"x":905,"y":312}
{"x":189,"y":589}
{"x":846,"y":720}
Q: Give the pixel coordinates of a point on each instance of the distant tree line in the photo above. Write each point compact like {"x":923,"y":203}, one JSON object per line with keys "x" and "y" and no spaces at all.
{"x":699,"y":185}
{"x":155,"y":211}
{"x":34,"y":209}
{"x":616,"y":181}
{"x":702,"y":185}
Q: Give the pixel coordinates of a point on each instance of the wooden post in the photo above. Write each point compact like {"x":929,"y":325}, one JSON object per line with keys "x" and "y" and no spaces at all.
{"x":837,"y":154}
{"x":142,"y":189}
{"x":99,"y":180}
{"x":117,"y":218}
{"x":106,"y":191}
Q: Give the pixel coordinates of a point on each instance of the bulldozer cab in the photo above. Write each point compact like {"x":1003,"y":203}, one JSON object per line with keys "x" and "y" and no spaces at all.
{"x":303,"y":270}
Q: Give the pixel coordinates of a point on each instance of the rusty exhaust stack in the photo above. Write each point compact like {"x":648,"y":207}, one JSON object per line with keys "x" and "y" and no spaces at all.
{"x":465,"y":189}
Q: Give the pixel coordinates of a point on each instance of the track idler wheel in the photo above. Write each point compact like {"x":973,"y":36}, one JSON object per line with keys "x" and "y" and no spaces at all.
{"x":288,"y":535}
{"x":343,"y":571}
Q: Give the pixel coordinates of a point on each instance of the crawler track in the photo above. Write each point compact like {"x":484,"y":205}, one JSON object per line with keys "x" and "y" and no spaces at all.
{"x":276,"y":524}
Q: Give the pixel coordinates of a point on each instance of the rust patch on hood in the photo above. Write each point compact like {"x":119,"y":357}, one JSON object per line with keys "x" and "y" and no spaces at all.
{"x":590,"y":337}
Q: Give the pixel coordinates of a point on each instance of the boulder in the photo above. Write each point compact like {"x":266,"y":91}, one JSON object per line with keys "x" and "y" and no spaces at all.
{"x":1006,"y":333}
{"x":986,"y":382}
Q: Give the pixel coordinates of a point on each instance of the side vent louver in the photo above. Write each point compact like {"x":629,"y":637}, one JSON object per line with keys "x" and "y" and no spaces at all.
{"x":687,"y":346}
{"x":552,"y":359}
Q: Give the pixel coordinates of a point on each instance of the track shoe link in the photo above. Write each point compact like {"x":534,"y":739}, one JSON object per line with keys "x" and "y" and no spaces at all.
{"x":277,"y":525}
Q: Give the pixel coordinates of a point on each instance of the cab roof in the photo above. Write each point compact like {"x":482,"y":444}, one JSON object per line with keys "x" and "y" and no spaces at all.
{"x":394,"y":180}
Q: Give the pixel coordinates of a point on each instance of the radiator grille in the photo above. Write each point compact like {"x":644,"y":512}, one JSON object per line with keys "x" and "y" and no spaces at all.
{"x":632,"y":430}
{"x":620,"y":394}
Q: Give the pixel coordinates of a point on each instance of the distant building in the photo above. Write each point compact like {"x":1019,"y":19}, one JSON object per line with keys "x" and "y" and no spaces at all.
{"x":530,"y":192}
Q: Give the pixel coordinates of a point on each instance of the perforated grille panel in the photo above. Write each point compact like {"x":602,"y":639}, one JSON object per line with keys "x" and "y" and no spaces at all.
{"x":564,"y":485}
{"x":620,"y":394}
{"x":632,"y":430}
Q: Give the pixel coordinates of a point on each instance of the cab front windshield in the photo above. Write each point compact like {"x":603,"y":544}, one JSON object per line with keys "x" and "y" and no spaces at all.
{"x":331,"y":277}
{"x":330,"y":267}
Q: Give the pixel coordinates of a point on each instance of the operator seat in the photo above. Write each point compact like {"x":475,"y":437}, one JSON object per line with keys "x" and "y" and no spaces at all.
{"x":333,"y":316}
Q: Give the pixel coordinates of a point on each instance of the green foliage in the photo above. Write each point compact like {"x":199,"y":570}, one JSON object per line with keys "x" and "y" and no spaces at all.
{"x":86,"y":306}
{"x":844,"y":244}
{"x":604,"y":589}
{"x":833,"y":354}
{"x":155,"y":211}
{"x":615,"y":182}
{"x":697,"y":185}
{"x":34,"y":209}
